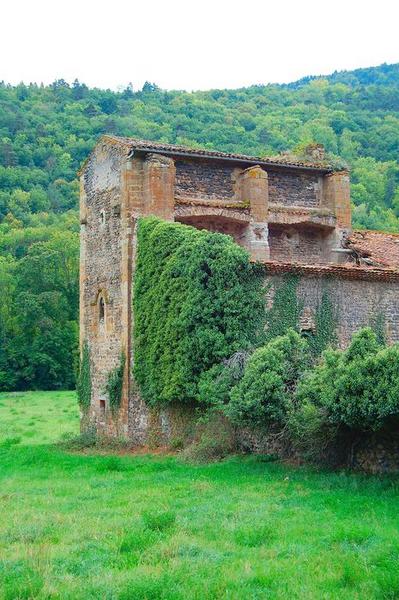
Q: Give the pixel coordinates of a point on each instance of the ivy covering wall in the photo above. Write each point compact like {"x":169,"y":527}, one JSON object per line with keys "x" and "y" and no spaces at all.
{"x":83,"y":384}
{"x":286,"y":309}
{"x":197,"y":300}
{"x":115,"y":384}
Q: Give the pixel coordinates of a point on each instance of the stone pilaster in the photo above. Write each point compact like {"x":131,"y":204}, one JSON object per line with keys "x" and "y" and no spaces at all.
{"x":159,"y":174}
{"x":255,"y":193}
{"x":130,"y":205}
{"x":336,"y":197}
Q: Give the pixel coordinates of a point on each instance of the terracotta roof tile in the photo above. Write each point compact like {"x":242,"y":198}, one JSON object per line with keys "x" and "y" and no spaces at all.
{"x":375,"y":248}
{"x":345,"y":271}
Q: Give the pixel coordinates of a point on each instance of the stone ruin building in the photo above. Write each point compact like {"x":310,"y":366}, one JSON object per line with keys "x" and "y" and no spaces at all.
{"x":295,"y":217}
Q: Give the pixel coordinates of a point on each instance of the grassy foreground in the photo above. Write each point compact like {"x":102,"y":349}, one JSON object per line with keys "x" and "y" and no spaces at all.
{"x":148,"y":527}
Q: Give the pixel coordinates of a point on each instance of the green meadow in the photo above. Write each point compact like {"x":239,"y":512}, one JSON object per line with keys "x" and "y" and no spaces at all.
{"x":90,"y":525}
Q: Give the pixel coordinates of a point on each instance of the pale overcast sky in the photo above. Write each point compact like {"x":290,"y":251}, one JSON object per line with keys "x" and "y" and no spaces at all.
{"x":190,"y":44}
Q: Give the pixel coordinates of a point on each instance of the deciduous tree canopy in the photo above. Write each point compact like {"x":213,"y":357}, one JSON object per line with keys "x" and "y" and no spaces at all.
{"x":47,"y":131}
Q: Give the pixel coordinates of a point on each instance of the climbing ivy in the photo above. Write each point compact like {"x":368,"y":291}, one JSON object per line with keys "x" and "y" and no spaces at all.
{"x":286,"y":309}
{"x":325,"y":326}
{"x":83,"y":385}
{"x":197,"y":301}
{"x":115,"y":384}
{"x":377,"y":324}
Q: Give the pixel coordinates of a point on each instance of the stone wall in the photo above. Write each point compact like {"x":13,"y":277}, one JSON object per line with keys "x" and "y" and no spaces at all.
{"x":205,"y":180}
{"x":101,"y":299}
{"x":235,"y":229}
{"x":357,"y":302}
{"x":290,"y":244}
{"x":214,"y":181}
{"x":295,"y":189}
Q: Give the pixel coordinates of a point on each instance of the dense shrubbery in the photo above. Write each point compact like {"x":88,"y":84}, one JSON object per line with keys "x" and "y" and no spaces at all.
{"x":197,"y":300}
{"x":266,"y":390}
{"x":357,"y":388}
{"x":199,"y":321}
{"x":322,"y":409}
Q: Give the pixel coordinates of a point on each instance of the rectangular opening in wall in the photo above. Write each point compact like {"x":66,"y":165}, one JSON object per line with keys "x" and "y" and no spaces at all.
{"x":102,"y":410}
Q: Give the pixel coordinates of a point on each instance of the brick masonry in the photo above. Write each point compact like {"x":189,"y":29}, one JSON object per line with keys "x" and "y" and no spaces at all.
{"x":295,"y":189}
{"x":204,"y":180}
{"x":293,"y":244}
{"x":356,"y":301}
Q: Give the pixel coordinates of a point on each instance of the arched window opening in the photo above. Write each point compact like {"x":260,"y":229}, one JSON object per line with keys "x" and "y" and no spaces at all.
{"x":102,"y":218}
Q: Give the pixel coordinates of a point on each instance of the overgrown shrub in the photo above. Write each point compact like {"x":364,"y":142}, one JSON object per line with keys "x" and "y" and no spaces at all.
{"x":85,"y":439}
{"x":115,"y":384}
{"x":83,"y":384}
{"x":215,"y":441}
{"x":197,"y":301}
{"x":266,"y":390}
{"x":215,"y":385}
{"x":357,"y":388}
{"x":90,"y":438}
{"x":310,"y":433}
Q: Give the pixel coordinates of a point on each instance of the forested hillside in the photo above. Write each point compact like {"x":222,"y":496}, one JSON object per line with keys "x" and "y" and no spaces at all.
{"x":46,"y":132}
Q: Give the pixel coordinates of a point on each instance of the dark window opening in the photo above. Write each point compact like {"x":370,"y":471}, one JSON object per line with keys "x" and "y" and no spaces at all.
{"x":101,"y":310}
{"x":102,"y":408}
{"x":307,"y":333}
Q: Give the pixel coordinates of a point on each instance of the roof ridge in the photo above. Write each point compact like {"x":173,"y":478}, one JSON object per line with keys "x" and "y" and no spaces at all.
{"x":379,"y":231}
{"x":148,"y":145}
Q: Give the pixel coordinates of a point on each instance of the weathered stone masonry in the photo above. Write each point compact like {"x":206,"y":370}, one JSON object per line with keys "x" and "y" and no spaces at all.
{"x":293,"y":217}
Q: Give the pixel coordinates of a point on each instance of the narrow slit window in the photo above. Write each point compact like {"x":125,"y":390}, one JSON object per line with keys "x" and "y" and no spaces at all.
{"x":102,"y":409}
{"x":101,"y":310}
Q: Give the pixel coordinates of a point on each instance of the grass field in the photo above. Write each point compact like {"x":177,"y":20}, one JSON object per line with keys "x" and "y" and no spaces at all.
{"x":149,"y":527}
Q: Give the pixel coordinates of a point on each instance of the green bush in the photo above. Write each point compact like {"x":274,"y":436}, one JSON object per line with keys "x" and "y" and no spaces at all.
{"x":197,"y":301}
{"x":83,"y":385}
{"x":215,"y":385}
{"x":215,"y":441}
{"x":310,"y":433}
{"x":357,"y":388}
{"x":266,"y":390}
{"x":115,"y":384}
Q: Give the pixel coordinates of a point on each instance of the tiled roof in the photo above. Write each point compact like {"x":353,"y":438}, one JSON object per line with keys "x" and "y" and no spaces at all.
{"x":277,"y":161}
{"x":375,"y":248}
{"x":345,"y":271}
